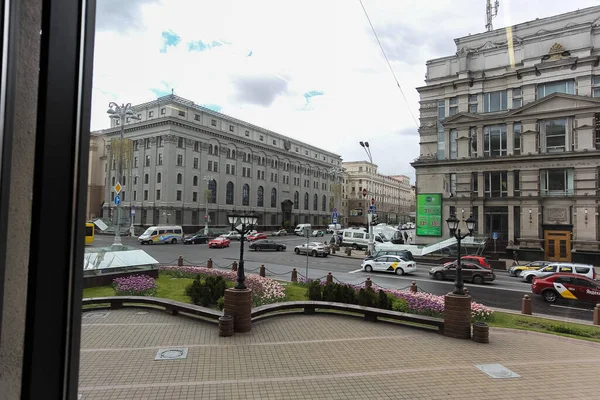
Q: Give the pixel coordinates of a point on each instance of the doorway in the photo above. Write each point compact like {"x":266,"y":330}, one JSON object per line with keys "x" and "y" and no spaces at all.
{"x":557,"y":245}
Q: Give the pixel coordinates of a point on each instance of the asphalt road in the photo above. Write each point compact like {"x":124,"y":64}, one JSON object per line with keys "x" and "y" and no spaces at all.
{"x":505,"y":292}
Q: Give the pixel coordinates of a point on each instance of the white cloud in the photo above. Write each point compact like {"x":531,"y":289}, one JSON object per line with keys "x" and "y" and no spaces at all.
{"x":297,"y":47}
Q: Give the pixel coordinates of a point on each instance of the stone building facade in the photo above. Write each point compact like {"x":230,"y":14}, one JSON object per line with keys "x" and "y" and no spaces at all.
{"x":190,"y":162}
{"x":510,"y":133}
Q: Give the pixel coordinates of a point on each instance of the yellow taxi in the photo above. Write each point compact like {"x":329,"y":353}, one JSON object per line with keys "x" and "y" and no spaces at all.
{"x":532,"y":266}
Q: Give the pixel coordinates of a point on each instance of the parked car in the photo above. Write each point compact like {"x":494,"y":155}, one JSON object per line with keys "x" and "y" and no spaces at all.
{"x":567,"y":287}
{"x":197,"y":238}
{"x":232,"y":235}
{"x":281,"y":232}
{"x":568,"y":268}
{"x":532,"y":266}
{"x":318,"y":233}
{"x":479,"y":260}
{"x":256,"y":236}
{"x":313,"y":248}
{"x":394,"y":264}
{"x":259,"y":245}
{"x":219,"y":242}
{"x":470,"y":271}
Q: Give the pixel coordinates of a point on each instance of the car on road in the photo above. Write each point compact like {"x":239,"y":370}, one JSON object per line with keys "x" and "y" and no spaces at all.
{"x":532,"y":266}
{"x":248,"y":234}
{"x":281,"y":232}
{"x":317,"y":233}
{"x":219,"y":242}
{"x":567,"y":268}
{"x":263,"y":244}
{"x":197,"y":238}
{"x":395,"y":264}
{"x":479,"y":260}
{"x":232,"y":235}
{"x":567,"y":287}
{"x":406,"y":255}
{"x":161,"y":234}
{"x":470,"y":272}
{"x":256,"y":236}
{"x":313,"y":248}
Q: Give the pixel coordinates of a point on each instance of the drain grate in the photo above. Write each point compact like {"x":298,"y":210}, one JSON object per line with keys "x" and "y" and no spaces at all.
{"x":95,"y":315}
{"x":497,"y":371}
{"x":176,"y":353}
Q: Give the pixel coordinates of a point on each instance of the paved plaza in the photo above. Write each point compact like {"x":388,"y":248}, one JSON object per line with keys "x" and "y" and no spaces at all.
{"x":320,"y":357}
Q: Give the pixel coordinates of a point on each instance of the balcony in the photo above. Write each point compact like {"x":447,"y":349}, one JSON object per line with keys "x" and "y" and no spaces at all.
{"x":556,"y":193}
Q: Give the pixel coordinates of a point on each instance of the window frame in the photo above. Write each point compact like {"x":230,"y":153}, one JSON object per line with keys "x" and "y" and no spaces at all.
{"x":488,"y":101}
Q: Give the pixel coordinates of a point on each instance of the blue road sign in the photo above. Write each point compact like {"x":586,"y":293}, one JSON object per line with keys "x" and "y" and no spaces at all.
{"x":117,"y":200}
{"x":372,"y":209}
{"x":334,"y":215}
{"x":495,"y":235}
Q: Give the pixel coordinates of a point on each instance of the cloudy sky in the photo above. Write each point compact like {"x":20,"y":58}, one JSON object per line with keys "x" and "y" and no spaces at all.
{"x":308,"y":69}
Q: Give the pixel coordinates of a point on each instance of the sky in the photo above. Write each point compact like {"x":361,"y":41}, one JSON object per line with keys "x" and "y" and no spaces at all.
{"x":309,"y":69}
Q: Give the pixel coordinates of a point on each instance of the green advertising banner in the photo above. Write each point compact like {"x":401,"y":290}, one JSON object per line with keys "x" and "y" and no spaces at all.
{"x":429,"y":214}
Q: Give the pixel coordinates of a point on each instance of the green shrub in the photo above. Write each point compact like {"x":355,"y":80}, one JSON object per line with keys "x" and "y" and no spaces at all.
{"x":367,"y":298}
{"x":383,"y":301}
{"x":399,"y":305}
{"x":345,"y":294}
{"x":208,"y":292}
{"x":569,"y":330}
{"x":314,"y":291}
{"x":329,"y":292}
{"x":221,"y":303}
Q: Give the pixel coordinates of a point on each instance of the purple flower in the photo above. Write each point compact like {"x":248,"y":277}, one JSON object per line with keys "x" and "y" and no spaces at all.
{"x":135,"y":285}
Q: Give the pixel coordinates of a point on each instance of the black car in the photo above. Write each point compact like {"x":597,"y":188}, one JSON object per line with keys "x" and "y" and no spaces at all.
{"x":198,"y":238}
{"x":471,"y":272}
{"x":266,"y":244}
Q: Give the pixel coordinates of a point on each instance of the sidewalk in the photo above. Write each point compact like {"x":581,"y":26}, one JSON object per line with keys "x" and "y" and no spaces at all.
{"x":321,"y":357}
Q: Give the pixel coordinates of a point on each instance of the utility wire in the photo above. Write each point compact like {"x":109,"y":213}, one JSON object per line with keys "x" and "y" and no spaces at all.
{"x":388,"y":62}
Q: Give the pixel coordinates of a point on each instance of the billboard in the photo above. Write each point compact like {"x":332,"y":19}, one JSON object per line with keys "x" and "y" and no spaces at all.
{"x":429,"y":214}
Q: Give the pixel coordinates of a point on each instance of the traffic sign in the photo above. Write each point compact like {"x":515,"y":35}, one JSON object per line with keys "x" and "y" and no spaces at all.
{"x":495,"y":235}
{"x":118,"y":188}
{"x":364,"y":192}
{"x":334,"y":221}
{"x":117,"y":200}
{"x":335,"y":210}
{"x":334,"y":215}
{"x":133,"y":211}
{"x":373,"y":200}
{"x":371,"y":209}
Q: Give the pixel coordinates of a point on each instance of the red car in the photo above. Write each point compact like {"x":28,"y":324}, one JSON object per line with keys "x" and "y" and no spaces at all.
{"x":219,"y":242}
{"x":568,"y":287}
{"x":479,"y":260}
{"x":257,"y":236}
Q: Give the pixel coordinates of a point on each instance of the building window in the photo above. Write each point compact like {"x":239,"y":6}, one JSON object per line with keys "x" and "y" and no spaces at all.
{"x":135,"y":162}
{"x":473,"y":103}
{"x":260,"y":196}
{"x":273,"y":198}
{"x":246,"y":195}
{"x":556,"y":182}
{"x":145,"y":195}
{"x":475,"y":184}
{"x":453,"y":144}
{"x":495,"y":101}
{"x":247,"y":133}
{"x":158,"y":178}
{"x":178,"y":193}
{"x":517,"y":183}
{"x":160,"y":159}
{"x":546,"y":89}
{"x":453,"y":185}
{"x":597,"y":130}
{"x":135,"y":195}
{"x":296,"y":200}
{"x":227,"y":169}
{"x":441,"y":150}
{"x":315,"y":202}
{"x":517,"y":97}
{"x":181,"y":142}
{"x":324,"y":203}
{"x":495,"y":184}
{"x":453,"y":110}
{"x":181,"y":113}
{"x":306,"y":201}
{"x":229,"y":193}
{"x":494,"y":140}
{"x":596,"y":86}
{"x":179,"y":160}
{"x":216,"y":150}
{"x":114,"y":180}
{"x":274,"y":142}
{"x":147,"y":143}
{"x":473,"y":142}
{"x":147,"y":161}
{"x":212,"y":191}
{"x":210,"y":149}
{"x":158,"y":194}
{"x":163,"y":111}
{"x":146,"y":178}
{"x":230,"y":128}
{"x":555,"y":135}
{"x":213,"y":122}
{"x":196,"y":162}
{"x":160,"y":141}
{"x":118,"y":122}
{"x":261,"y":138}
{"x":195,"y":220}
{"x":179,"y":179}
{"x":196,"y":146}
{"x":150,"y":114}
{"x":517,"y":138}
{"x":196,"y":117}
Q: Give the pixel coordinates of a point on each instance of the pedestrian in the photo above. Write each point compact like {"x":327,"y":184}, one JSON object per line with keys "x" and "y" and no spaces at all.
{"x":406,"y":236}
{"x":516,"y":257}
{"x":410,"y":238}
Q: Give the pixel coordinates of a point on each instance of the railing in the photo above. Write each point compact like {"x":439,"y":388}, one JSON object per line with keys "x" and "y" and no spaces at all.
{"x":556,"y":193}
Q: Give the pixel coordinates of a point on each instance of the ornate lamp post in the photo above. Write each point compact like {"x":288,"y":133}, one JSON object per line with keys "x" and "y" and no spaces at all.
{"x":453,"y":225}
{"x":246,"y":223}
{"x":367,"y":149}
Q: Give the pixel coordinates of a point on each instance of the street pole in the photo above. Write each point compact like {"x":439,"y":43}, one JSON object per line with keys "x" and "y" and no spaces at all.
{"x":365,"y":146}
{"x":453,"y":226}
{"x":206,"y":179}
{"x":307,"y":241}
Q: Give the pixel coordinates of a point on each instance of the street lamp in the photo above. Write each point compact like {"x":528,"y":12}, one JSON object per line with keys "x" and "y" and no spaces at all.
{"x":120,"y":113}
{"x":453,"y":225}
{"x":246,"y":223}
{"x":365,"y":146}
{"x":206,"y":179}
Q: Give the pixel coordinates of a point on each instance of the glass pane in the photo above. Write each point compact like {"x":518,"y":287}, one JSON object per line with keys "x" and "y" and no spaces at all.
{"x":556,"y":180}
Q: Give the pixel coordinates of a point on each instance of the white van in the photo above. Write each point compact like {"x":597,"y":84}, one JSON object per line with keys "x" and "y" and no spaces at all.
{"x":333,"y":227}
{"x":359,"y":238}
{"x":162,"y":234}
{"x":301,"y":229}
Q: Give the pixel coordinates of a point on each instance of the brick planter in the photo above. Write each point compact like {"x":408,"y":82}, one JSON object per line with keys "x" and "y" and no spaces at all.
{"x":457,"y":316}
{"x":238,"y":304}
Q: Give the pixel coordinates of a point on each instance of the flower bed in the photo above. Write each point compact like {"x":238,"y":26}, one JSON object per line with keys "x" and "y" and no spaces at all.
{"x":135,"y":285}
{"x":264,"y":290}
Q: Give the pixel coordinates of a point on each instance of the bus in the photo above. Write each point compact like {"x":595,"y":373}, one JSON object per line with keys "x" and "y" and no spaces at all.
{"x":89,"y":232}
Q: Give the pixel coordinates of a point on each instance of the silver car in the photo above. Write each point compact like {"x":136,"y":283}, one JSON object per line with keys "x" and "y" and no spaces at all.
{"x":313,"y":248}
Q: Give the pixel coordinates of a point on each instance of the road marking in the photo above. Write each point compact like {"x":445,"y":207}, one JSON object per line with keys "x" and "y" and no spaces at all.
{"x":571,"y":308}
{"x":353,"y":272}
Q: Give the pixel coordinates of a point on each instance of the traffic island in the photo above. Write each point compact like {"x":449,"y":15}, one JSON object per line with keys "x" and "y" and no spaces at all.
{"x":457,"y":316}
{"x":238,"y":304}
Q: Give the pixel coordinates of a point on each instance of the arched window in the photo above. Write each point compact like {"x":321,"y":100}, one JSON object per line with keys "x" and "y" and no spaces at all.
{"x":260,"y":195}
{"x":210,"y":149}
{"x":179,"y":179}
{"x":195,"y":181}
{"x":273,"y":198}
{"x":229,"y":193}
{"x":246,"y":195}
{"x":296,"y":200}
{"x":212,"y":195}
{"x":324,"y":203}
{"x":306,"y":201}
{"x":315,"y":202}
{"x":158,"y":178}
{"x":228,"y":153}
{"x":146,"y":178}
{"x":233,"y":154}
{"x":216,"y":150}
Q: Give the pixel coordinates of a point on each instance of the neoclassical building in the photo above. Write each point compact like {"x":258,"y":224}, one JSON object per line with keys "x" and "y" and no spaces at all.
{"x":189,"y":162}
{"x":510,"y":132}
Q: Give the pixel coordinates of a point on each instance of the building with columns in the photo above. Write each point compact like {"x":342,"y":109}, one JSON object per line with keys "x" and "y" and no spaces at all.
{"x":188,"y":161}
{"x":510,"y":133}
{"x":391,"y":194}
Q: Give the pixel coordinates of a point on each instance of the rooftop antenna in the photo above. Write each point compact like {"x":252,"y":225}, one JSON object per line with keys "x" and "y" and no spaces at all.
{"x":490,"y":13}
